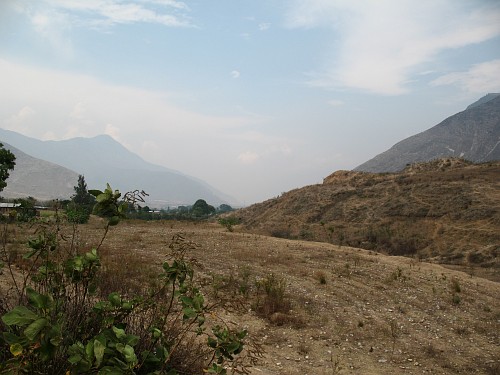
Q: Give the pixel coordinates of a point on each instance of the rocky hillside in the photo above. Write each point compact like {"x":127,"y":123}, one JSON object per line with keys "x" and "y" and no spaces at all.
{"x":38,"y":178}
{"x":473,"y":134}
{"x":447,"y":210}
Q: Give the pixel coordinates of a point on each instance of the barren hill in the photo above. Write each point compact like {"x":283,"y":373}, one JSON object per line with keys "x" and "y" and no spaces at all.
{"x":447,"y":211}
{"x":38,"y":178}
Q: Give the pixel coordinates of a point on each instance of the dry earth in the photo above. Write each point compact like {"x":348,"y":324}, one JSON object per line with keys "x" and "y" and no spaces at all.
{"x":374,"y":314}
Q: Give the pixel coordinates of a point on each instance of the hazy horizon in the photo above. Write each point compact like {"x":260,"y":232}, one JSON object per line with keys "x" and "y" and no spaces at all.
{"x":255,"y":98}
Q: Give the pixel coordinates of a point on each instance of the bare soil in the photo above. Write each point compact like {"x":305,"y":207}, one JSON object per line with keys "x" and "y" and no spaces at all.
{"x":374,"y":314}
{"x":352,"y":311}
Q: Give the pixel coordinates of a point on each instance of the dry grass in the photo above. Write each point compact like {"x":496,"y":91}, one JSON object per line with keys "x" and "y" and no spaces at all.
{"x":343,"y":325}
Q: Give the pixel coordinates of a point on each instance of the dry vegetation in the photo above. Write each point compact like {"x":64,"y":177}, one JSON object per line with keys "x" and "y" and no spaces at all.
{"x":319,"y":308}
{"x":446,"y":211}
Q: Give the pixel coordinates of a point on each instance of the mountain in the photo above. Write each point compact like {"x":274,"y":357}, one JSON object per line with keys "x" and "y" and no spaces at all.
{"x":103,"y":160}
{"x":38,"y":178}
{"x":446,"y":210}
{"x":473,"y":134}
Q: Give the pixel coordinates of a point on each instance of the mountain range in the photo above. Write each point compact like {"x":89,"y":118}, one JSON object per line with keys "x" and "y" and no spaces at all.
{"x":101,"y":160}
{"x":473,"y":134}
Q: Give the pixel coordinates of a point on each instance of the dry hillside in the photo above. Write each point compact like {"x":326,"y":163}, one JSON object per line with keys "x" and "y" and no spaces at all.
{"x":445,"y":211}
{"x":346,"y":310}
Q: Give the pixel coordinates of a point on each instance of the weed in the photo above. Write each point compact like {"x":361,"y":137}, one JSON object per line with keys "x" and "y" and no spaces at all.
{"x":455,"y":285}
{"x":62,"y":323}
{"x":455,"y":299}
{"x":320,"y":276}
{"x":271,"y":296}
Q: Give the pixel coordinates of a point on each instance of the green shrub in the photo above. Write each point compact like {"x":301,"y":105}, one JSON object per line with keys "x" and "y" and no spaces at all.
{"x":61,"y":324}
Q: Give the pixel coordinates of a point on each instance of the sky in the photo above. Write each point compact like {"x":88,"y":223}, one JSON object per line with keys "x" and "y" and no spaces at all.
{"x":255,"y":97}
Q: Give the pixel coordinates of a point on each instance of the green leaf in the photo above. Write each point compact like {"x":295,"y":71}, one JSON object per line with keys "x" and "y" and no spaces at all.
{"x":16,"y":349}
{"x":188,"y":313}
{"x":119,"y":333}
{"x":19,"y":316}
{"x":129,"y":354}
{"x":102,"y":197}
{"x":38,"y":300}
{"x":32,"y":331}
{"x":115,"y":299}
{"x":114,"y":220}
{"x":95,"y":192}
{"x":99,"y":351}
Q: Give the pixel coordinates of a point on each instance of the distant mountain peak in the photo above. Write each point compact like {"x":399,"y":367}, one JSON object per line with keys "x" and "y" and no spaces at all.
{"x":483,"y":100}
{"x":473,"y":134}
{"x":102,"y":159}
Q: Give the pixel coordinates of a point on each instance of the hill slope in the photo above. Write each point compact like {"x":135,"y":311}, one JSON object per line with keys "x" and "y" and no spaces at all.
{"x":103,"y":160}
{"x":447,"y":210}
{"x":473,"y":134}
{"x":39,"y":179}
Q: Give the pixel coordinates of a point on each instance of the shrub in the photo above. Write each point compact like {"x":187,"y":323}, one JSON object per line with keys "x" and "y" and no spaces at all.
{"x":271,"y":296}
{"x":61,"y":324}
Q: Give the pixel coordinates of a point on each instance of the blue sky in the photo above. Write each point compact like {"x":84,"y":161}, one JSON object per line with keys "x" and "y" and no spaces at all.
{"x":254,"y":97}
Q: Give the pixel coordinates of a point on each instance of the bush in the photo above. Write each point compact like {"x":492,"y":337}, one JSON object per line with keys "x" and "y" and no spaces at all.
{"x":61,"y":324}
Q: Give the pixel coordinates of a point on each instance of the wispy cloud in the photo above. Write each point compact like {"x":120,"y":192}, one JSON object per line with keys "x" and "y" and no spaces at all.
{"x":107,"y":13}
{"x":248,"y":157}
{"x":264,"y":26}
{"x":235,"y":74}
{"x":379,"y":46}
{"x":336,"y":103}
{"x":480,"y":78}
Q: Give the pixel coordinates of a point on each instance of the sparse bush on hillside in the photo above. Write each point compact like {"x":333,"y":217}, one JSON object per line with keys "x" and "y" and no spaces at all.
{"x":61,"y":324}
{"x":228,"y":222}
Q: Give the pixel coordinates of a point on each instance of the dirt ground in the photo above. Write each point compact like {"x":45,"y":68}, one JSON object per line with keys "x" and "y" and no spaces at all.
{"x":351,"y":311}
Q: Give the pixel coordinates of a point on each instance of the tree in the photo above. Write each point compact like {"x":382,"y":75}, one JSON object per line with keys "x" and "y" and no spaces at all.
{"x":202,"y":208}
{"x":224,"y":208}
{"x":7,"y":163}
{"x":82,"y":196}
{"x":80,"y":207}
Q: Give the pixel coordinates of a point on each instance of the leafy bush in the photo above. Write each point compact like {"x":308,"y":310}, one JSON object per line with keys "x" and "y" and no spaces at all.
{"x":61,"y":324}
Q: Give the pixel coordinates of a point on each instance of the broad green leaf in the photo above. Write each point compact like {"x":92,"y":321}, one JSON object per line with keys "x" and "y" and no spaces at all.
{"x":19,"y":316}
{"x":120,"y":333}
{"x":114,"y":220}
{"x":32,"y":331}
{"x":95,"y":193}
{"x":98,"y":352}
{"x":129,"y":354}
{"x":38,"y":300}
{"x":16,"y":349}
{"x":89,"y":349}
{"x":10,"y":338}
{"x":102,"y":197}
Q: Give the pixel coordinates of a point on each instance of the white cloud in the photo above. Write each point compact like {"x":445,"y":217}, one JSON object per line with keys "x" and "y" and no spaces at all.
{"x":235,"y":74}
{"x":106,"y":13}
{"x":480,"y":78}
{"x":55,"y":105}
{"x":248,"y":157}
{"x":379,"y":45}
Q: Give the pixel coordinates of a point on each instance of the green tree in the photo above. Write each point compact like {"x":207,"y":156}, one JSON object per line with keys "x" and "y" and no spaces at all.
{"x":202,"y":208}
{"x":7,"y":163}
{"x":224,"y":208}
{"x":80,"y":207}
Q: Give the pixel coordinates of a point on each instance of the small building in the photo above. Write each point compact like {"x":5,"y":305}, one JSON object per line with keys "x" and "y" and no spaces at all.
{"x":6,"y":208}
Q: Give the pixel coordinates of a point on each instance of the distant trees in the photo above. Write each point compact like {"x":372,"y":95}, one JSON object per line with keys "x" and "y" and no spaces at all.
{"x":198,"y":211}
{"x":79,"y":208}
{"x":7,"y":163}
{"x":202,"y":208}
